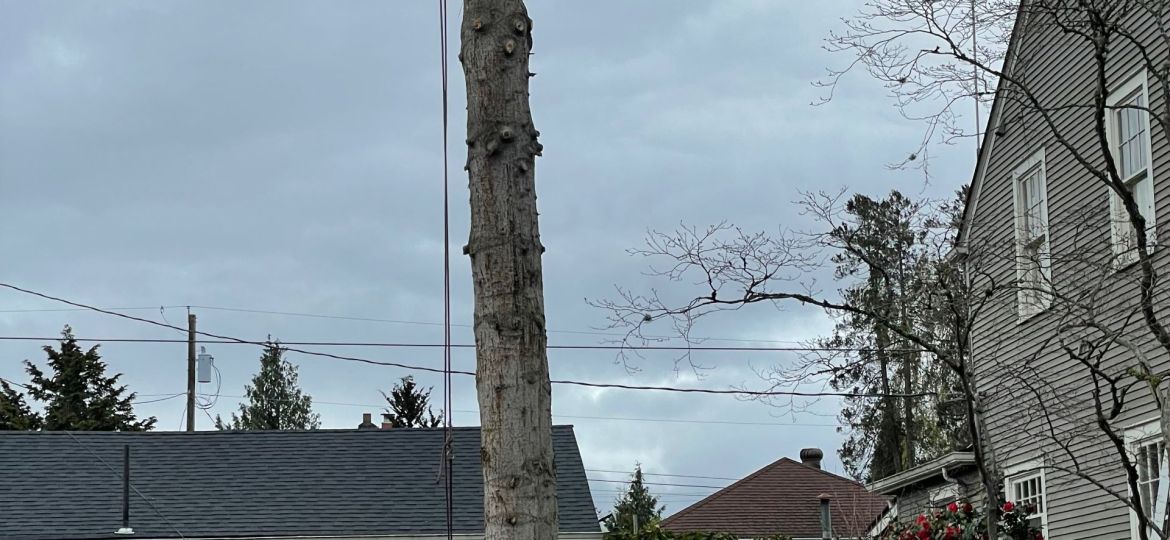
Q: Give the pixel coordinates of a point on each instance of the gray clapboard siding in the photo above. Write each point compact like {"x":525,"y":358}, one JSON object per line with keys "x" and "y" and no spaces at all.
{"x":1058,"y":66}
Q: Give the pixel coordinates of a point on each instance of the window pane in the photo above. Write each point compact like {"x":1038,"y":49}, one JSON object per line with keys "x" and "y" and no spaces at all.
{"x":1149,"y":457}
{"x":1132,"y":135}
{"x":1127,"y":164}
{"x":1031,"y":205}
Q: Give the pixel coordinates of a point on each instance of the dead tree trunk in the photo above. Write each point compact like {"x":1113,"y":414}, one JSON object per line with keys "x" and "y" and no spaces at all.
{"x":512,"y":380}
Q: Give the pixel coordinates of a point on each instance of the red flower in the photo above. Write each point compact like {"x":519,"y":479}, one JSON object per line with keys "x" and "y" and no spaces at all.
{"x":1008,"y":506}
{"x":1039,"y":536}
{"x":953,"y":507}
{"x":951,"y":533}
{"x":967,"y":508}
{"x":924,"y":534}
{"x":923,"y":520}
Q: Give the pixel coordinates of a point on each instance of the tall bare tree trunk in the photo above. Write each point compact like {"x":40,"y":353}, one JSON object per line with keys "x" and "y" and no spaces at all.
{"x":512,"y":381}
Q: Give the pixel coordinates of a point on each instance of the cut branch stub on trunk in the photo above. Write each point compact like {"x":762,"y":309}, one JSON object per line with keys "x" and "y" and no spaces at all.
{"x":512,"y":380}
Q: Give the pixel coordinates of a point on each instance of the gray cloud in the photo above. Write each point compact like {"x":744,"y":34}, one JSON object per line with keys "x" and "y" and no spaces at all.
{"x":285,"y":156}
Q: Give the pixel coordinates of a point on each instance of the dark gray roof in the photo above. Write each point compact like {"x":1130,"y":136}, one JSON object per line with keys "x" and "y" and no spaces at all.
{"x":269,"y":483}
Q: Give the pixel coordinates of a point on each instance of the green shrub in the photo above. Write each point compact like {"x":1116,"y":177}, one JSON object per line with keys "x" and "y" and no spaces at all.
{"x":962,"y":521}
{"x":654,"y":531}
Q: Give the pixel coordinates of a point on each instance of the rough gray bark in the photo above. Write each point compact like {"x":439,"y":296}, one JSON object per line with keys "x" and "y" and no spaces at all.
{"x":512,"y":380}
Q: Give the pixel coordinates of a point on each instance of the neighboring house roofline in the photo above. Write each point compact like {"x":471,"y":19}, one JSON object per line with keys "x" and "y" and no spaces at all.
{"x":460,"y":536}
{"x":714,"y":496}
{"x":989,"y":135}
{"x":780,"y":497}
{"x":314,"y":484}
{"x":940,"y":466}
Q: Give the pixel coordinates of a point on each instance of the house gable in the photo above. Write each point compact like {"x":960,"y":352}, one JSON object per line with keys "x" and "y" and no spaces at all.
{"x":781,"y":498}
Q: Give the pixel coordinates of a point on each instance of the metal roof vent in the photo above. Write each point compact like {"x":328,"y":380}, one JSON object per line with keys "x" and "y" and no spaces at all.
{"x":125,"y":528}
{"x":812,"y":457}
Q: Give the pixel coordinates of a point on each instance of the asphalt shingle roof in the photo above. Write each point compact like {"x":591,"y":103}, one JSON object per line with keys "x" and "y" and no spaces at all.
{"x":268,"y":483}
{"x":782,"y":498}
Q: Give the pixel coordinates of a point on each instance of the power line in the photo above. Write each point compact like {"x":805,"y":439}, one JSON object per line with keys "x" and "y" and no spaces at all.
{"x":677,"y":348}
{"x":663,"y":495}
{"x":13,"y":383}
{"x":740,"y":392}
{"x":171,"y":396}
{"x":617,"y":386}
{"x":431,"y":323}
{"x":448,"y":441}
{"x":128,"y":483}
{"x":655,"y":483}
{"x":690,"y":421}
{"x":62,"y":310}
{"x":664,"y":474}
{"x":608,"y":419}
{"x":217,"y":336}
{"x":382,"y":320}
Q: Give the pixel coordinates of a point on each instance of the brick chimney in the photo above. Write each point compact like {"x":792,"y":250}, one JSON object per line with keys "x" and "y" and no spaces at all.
{"x":387,"y":425}
{"x":812,"y":457}
{"x":367,"y":422}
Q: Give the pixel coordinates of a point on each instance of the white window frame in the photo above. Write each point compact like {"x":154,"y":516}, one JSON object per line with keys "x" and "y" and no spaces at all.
{"x":1024,"y":472}
{"x":943,"y":495}
{"x":1038,"y":297}
{"x":1145,"y":434}
{"x":1119,"y":227}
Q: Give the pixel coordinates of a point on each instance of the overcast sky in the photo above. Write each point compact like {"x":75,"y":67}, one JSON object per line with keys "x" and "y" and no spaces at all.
{"x":285,"y":156}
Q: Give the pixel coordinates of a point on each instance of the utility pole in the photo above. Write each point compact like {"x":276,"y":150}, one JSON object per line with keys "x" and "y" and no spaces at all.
{"x":190,"y":372}
{"x":512,"y":380}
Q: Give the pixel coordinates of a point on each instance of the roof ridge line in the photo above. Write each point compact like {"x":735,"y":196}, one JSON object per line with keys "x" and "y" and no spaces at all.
{"x":721,"y":492}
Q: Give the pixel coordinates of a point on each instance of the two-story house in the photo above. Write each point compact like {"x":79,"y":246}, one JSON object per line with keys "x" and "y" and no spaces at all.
{"x":1062,"y":338}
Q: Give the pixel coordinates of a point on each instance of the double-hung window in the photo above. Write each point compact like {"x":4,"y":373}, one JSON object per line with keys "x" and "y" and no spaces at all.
{"x":1147,"y":451}
{"x":1128,"y":126}
{"x":1026,"y":488}
{"x":1033,"y":256}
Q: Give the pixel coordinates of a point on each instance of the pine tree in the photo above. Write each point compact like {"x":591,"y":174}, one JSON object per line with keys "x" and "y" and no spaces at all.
{"x":892,"y":259}
{"x":410,"y":406}
{"x":275,"y":401}
{"x":636,"y":507}
{"x":15,"y":414}
{"x":79,"y":395}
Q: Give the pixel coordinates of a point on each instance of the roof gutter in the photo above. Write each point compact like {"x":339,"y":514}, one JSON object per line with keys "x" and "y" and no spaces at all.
{"x":930,"y":469}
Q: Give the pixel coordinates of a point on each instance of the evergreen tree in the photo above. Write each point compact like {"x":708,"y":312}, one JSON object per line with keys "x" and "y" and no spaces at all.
{"x":15,"y":414}
{"x":410,"y":406}
{"x":78,"y":393}
{"x":893,"y":257}
{"x":636,"y":505}
{"x":274,"y":399}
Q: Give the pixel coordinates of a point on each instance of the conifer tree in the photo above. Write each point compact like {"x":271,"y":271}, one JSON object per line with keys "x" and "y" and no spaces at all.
{"x":635,"y":509}
{"x":78,"y":394}
{"x":275,"y":401}
{"x":15,"y":414}
{"x":410,"y":406}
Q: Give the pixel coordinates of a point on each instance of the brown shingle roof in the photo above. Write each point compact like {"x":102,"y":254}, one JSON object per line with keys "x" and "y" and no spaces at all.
{"x":782,"y":498}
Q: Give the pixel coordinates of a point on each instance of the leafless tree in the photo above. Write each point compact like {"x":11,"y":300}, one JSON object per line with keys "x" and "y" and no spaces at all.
{"x":512,"y":380}
{"x":937,"y":59}
{"x":736,"y":269}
